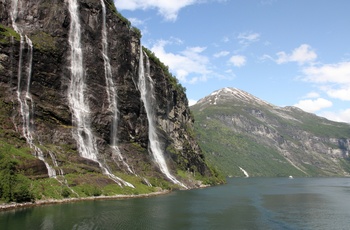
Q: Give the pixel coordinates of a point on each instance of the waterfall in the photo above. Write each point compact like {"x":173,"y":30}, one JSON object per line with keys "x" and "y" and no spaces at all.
{"x":76,"y":91}
{"x":23,"y":95}
{"x":111,"y":91}
{"x":145,"y":85}
{"x":54,"y":161}
{"x":76,"y":96}
{"x":243,"y":171}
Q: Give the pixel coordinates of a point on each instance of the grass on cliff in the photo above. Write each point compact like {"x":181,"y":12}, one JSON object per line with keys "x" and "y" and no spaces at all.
{"x":44,"y":42}
{"x":78,"y":181}
{"x":173,"y":80}
{"x":14,"y":185}
{"x":111,"y":6}
{"x":91,"y":184}
{"x":6,"y":33}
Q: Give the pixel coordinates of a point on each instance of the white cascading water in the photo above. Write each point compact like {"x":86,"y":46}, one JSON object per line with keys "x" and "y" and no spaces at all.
{"x":76,"y":91}
{"x":244,"y":172}
{"x":24,"y":98}
{"x":54,"y":161}
{"x":145,"y":85}
{"x":111,"y":91}
{"x":76,"y":96}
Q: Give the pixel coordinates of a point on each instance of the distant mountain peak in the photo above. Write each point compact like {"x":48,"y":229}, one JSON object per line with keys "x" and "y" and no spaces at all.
{"x":237,"y":130}
{"x":231,"y":94}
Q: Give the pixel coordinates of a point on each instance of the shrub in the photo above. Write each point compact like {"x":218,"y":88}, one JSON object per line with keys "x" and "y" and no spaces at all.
{"x":65,"y":192}
{"x":21,"y":191}
{"x":13,"y":185}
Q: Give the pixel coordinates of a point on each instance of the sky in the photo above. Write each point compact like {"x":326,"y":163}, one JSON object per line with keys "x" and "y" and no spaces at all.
{"x":286,"y":52}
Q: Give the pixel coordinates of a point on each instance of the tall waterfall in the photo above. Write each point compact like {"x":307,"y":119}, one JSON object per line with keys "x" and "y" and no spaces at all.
{"x":23,"y":92}
{"x":76,"y":91}
{"x":145,"y":85}
{"x":76,"y":96}
{"x":111,"y":91}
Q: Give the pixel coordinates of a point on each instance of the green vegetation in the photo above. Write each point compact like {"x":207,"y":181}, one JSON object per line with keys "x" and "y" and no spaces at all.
{"x":6,"y":33}
{"x":345,"y":164}
{"x":216,"y":178}
{"x":137,"y":31}
{"x":112,"y":7}
{"x":19,"y":183}
{"x":227,"y":132}
{"x":44,"y":42}
{"x":23,"y":176}
{"x":230,"y":151}
{"x":320,"y":126}
{"x":14,"y":186}
{"x":172,"y":79}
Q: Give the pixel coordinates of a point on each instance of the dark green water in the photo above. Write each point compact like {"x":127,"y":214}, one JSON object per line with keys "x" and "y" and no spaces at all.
{"x":252,"y":203}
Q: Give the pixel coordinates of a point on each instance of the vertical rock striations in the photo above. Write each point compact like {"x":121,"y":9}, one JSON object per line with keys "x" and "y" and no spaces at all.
{"x":26,"y":105}
{"x":146,"y":87}
{"x":89,"y":116}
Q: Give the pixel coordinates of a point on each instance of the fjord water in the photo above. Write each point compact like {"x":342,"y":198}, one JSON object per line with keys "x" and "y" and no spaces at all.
{"x":243,"y":203}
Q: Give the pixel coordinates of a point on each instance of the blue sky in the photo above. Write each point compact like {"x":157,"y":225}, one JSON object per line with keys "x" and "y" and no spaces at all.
{"x":286,"y":52}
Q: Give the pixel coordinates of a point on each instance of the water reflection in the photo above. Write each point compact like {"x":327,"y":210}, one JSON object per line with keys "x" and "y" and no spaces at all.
{"x":254,"y":203}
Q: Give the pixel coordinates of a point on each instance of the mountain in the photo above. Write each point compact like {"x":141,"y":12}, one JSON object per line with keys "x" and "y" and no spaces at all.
{"x":85,"y":109}
{"x":242,"y":134}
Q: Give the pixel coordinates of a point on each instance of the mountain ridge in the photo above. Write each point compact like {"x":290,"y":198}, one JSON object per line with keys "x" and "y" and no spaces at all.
{"x":287,"y":139}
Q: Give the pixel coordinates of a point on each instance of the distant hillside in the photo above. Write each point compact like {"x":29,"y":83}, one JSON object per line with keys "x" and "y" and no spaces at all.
{"x":240,"y":132}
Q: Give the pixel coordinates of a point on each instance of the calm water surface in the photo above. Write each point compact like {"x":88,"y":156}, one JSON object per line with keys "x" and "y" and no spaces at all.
{"x":244,"y":203}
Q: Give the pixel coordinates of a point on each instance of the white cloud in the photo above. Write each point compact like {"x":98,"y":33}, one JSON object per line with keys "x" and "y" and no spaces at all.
{"x":190,"y":61}
{"x":221,"y":54}
{"x":192,"y":102}
{"x":334,"y":79}
{"x":225,"y":39}
{"x":238,"y":60}
{"x":302,"y":55}
{"x":136,"y":21}
{"x":312,"y":95}
{"x":342,"y":93}
{"x":340,"y":116}
{"x":266,"y":57}
{"x":169,"y":9}
{"x":331,"y":73}
{"x":248,"y":38}
{"x":314,"y":105}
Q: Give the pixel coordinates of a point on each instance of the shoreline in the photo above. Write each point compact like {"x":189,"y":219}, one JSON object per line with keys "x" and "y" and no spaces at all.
{"x":13,"y":206}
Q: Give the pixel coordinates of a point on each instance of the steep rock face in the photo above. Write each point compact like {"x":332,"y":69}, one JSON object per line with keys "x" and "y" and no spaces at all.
{"x":175,"y":120}
{"x":257,"y":134}
{"x":47,"y":25}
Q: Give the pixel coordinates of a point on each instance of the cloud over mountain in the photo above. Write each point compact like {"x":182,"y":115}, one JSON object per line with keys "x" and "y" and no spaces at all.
{"x":169,"y":9}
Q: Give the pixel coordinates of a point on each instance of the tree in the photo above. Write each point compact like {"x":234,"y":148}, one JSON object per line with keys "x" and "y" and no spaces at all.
{"x":7,"y":178}
{"x":14,"y":186}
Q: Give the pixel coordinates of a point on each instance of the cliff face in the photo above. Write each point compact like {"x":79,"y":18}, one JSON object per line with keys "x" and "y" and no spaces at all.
{"x":69,"y":80}
{"x":238,"y":130}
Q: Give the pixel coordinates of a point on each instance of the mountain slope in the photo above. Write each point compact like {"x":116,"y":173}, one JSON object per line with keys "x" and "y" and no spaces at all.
{"x":238,"y":131}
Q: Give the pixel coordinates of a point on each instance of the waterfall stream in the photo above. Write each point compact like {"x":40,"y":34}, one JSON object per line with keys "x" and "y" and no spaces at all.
{"x":23,"y":95}
{"x":111,"y":91}
{"x":76,"y":95}
{"x":145,"y":85}
{"x":244,"y":172}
